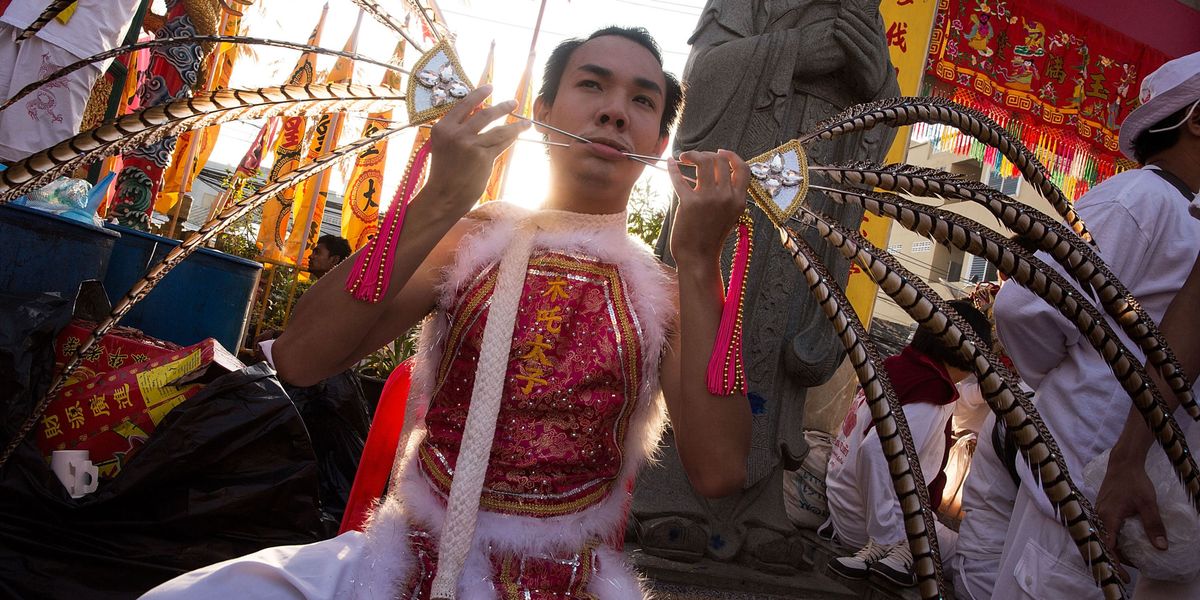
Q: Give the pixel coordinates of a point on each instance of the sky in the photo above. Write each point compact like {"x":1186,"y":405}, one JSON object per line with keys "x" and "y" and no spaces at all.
{"x":476,"y":24}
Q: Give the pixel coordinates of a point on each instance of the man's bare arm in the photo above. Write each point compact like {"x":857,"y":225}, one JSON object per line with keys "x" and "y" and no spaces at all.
{"x":1126,"y":490}
{"x":712,"y":433}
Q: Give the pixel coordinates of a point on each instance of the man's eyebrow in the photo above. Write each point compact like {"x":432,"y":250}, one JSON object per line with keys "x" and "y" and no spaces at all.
{"x":607,"y":73}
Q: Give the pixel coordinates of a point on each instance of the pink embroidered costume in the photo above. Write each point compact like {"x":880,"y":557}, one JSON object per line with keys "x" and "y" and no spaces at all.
{"x":579,"y":413}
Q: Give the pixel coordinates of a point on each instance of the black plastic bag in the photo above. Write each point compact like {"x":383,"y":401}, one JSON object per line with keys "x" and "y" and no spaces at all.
{"x":28,"y":326}
{"x":335,"y":413}
{"x":226,"y":473}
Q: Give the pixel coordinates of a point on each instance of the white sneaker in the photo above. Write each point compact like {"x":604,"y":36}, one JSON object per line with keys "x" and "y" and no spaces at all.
{"x":896,"y":566}
{"x":858,"y":565}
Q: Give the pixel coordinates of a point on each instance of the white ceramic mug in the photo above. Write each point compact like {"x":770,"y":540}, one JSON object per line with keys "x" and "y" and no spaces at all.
{"x":75,"y":471}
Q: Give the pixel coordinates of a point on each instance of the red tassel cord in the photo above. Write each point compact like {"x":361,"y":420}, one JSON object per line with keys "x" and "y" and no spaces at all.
{"x":726,"y":369}
{"x":373,"y":267}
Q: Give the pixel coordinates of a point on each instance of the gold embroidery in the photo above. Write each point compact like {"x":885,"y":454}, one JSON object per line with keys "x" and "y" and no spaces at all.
{"x":537,"y":351}
{"x":551,"y":318}
{"x":555,"y":289}
{"x":531,"y":373}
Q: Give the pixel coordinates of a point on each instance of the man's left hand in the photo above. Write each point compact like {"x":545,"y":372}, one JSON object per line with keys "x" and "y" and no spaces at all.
{"x":709,"y":209}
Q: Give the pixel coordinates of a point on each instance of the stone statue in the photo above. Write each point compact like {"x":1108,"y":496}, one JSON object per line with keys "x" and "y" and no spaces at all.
{"x":760,"y":73}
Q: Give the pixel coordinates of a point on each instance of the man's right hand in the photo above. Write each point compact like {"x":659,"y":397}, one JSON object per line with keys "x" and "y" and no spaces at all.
{"x":1128,"y":492}
{"x":461,"y":158}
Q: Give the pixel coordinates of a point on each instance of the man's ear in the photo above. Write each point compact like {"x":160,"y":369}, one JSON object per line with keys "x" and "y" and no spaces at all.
{"x":541,"y":109}
{"x":662,"y":144}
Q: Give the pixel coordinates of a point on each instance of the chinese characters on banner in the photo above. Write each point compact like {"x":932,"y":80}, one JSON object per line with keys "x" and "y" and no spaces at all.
{"x":907,"y":24}
{"x":1061,"y":82}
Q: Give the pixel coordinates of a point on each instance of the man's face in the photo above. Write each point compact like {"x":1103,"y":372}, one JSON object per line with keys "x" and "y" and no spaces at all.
{"x":612,"y":92}
{"x":320,"y":261}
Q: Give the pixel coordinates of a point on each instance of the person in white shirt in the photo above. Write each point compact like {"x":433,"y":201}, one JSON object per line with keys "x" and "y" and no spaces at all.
{"x":1140,"y":221}
{"x":864,"y":511}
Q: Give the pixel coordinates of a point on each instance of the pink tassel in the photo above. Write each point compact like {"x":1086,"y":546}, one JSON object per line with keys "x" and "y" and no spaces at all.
{"x":726,"y":370}
{"x":373,"y":268}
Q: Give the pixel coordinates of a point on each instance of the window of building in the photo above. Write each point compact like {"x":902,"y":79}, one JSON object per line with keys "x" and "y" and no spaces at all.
{"x":922,"y":246}
{"x":895,"y":247}
{"x":1007,"y":185}
{"x":979,"y":270}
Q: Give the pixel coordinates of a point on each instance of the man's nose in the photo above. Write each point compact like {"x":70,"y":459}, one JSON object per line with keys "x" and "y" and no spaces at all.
{"x":613,"y":115}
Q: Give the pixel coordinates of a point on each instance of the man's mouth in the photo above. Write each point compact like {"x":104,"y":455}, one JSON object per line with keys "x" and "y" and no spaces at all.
{"x":607,"y":147}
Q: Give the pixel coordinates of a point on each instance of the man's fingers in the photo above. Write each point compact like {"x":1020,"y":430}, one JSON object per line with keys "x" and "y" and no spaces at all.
{"x":739,"y":172}
{"x":476,"y":122}
{"x":677,"y":181}
{"x":705,"y":163}
{"x":462,"y":109}
{"x":503,"y":135}
{"x":1152,"y":522}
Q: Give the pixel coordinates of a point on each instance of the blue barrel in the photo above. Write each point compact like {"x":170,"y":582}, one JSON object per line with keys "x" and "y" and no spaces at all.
{"x":208,"y":295}
{"x":43,"y":252}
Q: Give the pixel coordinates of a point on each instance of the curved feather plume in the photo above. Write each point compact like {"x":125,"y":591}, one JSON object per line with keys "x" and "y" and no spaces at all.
{"x":379,"y":14}
{"x":889,"y":419}
{"x":999,"y":386}
{"x":52,"y":10}
{"x":1078,"y":259}
{"x":901,"y":111}
{"x":143,"y":286}
{"x":1039,"y":278}
{"x":436,"y":27}
{"x":211,"y":108}
{"x":191,"y":39}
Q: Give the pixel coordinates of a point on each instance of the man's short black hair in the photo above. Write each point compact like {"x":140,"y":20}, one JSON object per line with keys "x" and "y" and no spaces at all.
{"x":1150,"y":143}
{"x":928,"y":343}
{"x":337,"y":246}
{"x":557,"y":64}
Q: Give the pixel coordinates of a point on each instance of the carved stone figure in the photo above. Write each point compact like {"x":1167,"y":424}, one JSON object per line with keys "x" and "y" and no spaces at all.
{"x":758,"y":75}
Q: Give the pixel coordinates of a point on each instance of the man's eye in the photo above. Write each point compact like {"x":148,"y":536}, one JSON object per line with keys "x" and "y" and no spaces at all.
{"x":588,"y":83}
{"x":645,"y":100}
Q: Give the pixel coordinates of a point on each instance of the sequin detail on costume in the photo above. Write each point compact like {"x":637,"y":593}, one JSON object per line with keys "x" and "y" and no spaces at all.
{"x":574,"y":374}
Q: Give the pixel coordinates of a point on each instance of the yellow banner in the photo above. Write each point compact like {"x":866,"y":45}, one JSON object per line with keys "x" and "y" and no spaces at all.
{"x":907,"y":26}
{"x":309,"y":210}
{"x":277,"y":212}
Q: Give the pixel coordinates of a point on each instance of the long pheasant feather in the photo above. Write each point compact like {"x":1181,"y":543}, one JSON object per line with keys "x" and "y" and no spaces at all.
{"x":379,"y":14}
{"x":1080,"y":260}
{"x":52,"y":10}
{"x":190,"y":39}
{"x":211,"y":108}
{"x":889,"y":419}
{"x":999,"y":386}
{"x":1030,"y":272}
{"x":901,"y":111}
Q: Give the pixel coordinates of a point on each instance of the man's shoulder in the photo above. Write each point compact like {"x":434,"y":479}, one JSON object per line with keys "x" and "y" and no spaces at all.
{"x":1128,"y":188}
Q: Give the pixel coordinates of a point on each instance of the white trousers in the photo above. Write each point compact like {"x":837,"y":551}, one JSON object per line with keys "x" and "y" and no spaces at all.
{"x":881,"y":518}
{"x":988,"y":497}
{"x":1040,"y":560}
{"x":306,"y":572}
